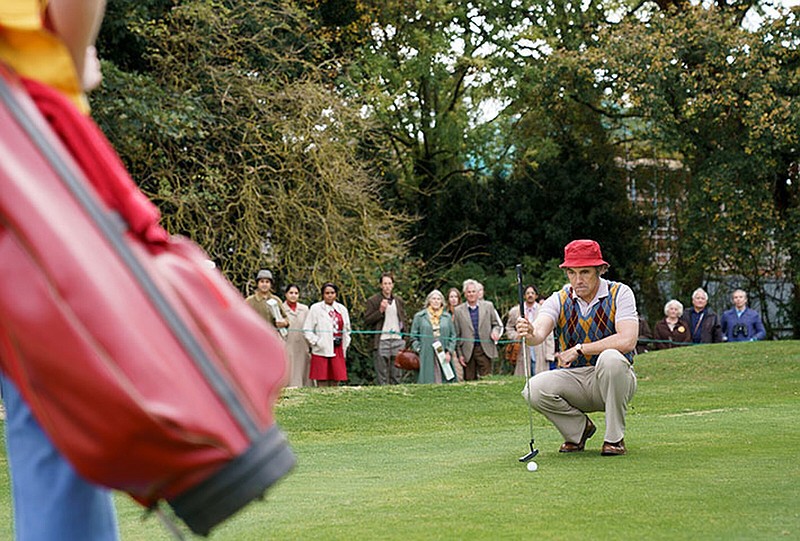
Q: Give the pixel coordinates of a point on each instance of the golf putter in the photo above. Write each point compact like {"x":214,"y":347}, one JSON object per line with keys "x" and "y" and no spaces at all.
{"x":528,"y":457}
{"x":534,"y":451}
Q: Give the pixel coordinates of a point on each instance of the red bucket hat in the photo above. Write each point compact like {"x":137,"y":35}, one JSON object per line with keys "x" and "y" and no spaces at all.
{"x":582,"y":253}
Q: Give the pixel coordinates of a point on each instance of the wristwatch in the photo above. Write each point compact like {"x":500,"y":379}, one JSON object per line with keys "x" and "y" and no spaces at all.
{"x":579,"y":349}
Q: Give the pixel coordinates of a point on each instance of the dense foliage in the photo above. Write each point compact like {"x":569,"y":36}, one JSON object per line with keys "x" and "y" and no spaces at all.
{"x":330,"y":140}
{"x":724,"y":100}
{"x":235,"y":131}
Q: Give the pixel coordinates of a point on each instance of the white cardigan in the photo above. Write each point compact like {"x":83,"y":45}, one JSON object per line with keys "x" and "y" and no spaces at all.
{"x":319,"y":328}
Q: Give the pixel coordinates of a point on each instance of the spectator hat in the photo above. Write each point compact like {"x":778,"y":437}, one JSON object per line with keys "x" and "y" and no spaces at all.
{"x":582,"y":253}
{"x":262,"y":274}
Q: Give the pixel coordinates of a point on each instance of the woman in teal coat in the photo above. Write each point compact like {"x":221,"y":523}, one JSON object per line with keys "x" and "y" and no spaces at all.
{"x":434,"y":326}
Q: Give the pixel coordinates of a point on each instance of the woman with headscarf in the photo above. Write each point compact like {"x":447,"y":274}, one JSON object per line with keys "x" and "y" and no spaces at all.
{"x":433,"y":336}
{"x":327,"y":330}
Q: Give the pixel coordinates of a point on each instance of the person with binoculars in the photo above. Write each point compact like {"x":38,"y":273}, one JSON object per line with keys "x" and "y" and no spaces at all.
{"x":740,"y":323}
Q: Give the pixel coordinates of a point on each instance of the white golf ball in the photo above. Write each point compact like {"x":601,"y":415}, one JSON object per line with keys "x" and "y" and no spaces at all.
{"x":532,"y":466}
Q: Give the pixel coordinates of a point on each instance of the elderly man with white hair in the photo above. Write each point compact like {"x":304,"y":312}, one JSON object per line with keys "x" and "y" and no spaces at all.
{"x":703,"y":323}
{"x":478,"y":328}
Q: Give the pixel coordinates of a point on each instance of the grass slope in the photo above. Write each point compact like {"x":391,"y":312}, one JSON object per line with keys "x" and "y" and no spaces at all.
{"x":713,"y":436}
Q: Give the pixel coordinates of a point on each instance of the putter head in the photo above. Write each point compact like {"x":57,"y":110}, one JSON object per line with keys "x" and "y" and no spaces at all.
{"x":530,"y":455}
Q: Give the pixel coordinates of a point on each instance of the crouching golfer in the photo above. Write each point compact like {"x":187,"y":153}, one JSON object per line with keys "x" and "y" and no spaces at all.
{"x":596,"y":328}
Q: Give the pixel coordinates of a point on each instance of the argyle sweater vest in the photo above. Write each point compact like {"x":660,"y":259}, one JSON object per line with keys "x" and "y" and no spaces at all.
{"x":574,"y":328}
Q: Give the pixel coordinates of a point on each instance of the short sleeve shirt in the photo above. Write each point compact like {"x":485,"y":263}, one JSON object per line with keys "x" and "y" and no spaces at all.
{"x":626,"y":303}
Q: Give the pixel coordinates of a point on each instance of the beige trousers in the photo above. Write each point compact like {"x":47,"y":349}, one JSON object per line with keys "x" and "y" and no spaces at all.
{"x":565,"y":396}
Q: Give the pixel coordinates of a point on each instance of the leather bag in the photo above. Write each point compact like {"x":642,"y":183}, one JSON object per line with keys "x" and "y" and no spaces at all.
{"x":511,"y":352}
{"x":407,"y":360}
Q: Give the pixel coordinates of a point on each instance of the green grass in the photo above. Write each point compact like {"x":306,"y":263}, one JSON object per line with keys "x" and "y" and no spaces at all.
{"x":714,"y":453}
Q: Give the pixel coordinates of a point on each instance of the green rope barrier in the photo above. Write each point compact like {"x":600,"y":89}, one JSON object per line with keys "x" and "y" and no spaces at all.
{"x":656,"y":341}
{"x":408,"y":335}
{"x":498,"y":342}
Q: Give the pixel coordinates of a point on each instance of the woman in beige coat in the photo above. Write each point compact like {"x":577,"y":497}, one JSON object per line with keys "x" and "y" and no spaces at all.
{"x":297,"y":349}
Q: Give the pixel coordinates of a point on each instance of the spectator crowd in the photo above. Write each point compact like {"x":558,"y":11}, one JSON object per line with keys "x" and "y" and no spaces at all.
{"x":459,"y":336}
{"x":699,"y":324}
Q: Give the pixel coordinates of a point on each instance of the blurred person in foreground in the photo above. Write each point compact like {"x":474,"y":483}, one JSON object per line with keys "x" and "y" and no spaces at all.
{"x":596,"y":327}
{"x":51,"y":45}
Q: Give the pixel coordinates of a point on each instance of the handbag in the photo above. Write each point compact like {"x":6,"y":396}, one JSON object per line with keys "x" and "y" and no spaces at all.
{"x":511,"y":352}
{"x":407,"y":360}
{"x":143,"y":364}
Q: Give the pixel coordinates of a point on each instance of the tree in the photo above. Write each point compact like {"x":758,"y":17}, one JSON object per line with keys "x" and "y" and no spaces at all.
{"x":425,"y":72}
{"x":237,"y":134}
{"x":722,"y":99}
{"x":565,"y":182}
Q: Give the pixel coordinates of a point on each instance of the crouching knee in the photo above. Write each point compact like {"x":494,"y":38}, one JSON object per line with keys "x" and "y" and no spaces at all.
{"x":532,"y":392}
{"x":613,"y":363}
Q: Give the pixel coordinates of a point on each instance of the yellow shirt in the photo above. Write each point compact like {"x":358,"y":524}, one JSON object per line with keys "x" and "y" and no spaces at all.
{"x":34,"y":52}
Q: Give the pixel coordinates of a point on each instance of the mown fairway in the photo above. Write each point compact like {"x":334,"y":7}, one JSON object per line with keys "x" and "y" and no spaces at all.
{"x":714,"y":453}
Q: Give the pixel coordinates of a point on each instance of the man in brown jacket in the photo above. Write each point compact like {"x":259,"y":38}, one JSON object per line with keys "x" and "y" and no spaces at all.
{"x":385,"y":315}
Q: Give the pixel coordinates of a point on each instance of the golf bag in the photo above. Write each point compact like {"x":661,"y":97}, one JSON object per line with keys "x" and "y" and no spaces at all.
{"x":141,"y":362}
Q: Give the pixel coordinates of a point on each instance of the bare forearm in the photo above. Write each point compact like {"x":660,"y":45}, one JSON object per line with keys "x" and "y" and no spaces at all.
{"x":624,"y":340}
{"x":77,"y":22}
{"x":618,"y":341}
{"x":542,"y":328}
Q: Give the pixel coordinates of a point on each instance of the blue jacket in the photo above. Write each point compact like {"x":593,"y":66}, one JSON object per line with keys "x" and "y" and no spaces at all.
{"x":744,"y":328}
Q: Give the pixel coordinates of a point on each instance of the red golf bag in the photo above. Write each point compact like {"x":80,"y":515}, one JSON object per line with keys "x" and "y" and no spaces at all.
{"x":142,"y":363}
